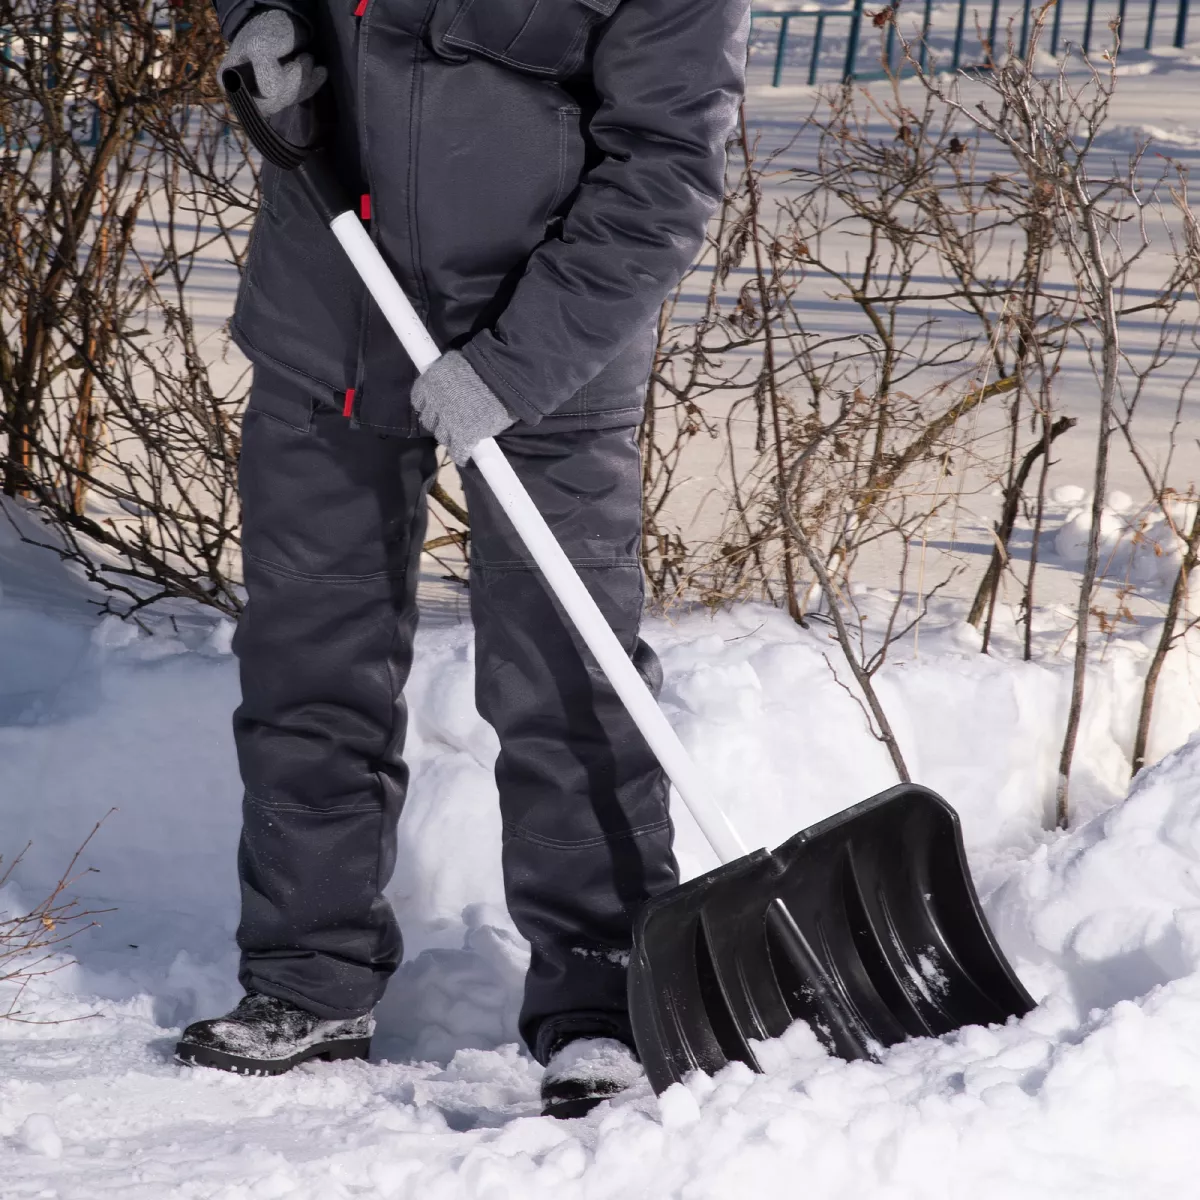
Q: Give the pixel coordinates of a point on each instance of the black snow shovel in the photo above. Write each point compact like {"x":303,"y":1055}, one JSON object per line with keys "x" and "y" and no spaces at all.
{"x":866,"y":926}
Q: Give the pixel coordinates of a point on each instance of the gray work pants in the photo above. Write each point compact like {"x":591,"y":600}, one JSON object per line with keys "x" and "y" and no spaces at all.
{"x":333,"y":523}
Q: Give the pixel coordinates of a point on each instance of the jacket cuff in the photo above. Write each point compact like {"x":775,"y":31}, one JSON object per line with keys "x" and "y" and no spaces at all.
{"x":505,"y":390}
{"x":235,"y":15}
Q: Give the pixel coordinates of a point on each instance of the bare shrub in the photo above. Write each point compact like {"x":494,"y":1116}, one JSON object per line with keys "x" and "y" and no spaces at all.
{"x":32,"y":941}
{"x":119,"y":180}
{"x":1178,"y":506}
{"x":1095,"y":213}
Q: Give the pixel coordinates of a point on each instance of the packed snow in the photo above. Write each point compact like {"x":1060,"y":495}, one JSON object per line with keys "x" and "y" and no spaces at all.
{"x":1096,"y":1093}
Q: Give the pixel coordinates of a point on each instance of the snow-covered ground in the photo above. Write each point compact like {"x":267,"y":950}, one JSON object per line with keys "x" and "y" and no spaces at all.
{"x":1096,"y":1093}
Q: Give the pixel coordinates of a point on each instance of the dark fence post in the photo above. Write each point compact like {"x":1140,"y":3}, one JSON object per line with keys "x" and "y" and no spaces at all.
{"x":1150,"y":15}
{"x":993,"y":24}
{"x":818,"y":34}
{"x":1181,"y":25}
{"x":1087,"y":26}
{"x":1057,"y":29}
{"x":925,"y":24}
{"x":956,"y":57}
{"x":852,"y":46}
{"x":1028,"y":4}
{"x":780,"y":49}
{"x":1121,"y":21}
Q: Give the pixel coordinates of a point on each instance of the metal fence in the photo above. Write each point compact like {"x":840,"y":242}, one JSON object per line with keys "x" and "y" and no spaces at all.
{"x":832,"y":42}
{"x":820,"y":41}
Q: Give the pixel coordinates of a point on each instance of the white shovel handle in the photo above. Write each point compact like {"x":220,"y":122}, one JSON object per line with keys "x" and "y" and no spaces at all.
{"x":543,"y":547}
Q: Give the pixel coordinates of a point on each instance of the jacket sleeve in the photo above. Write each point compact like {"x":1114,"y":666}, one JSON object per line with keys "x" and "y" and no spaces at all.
{"x":232,"y":14}
{"x":669,"y":75}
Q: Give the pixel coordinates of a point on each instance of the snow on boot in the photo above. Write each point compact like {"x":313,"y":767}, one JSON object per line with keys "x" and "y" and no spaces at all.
{"x":585,"y":1072}
{"x":267,"y":1036}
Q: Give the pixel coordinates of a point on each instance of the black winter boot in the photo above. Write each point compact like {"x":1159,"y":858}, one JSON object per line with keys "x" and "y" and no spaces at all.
{"x":585,"y":1072}
{"x":267,"y":1036}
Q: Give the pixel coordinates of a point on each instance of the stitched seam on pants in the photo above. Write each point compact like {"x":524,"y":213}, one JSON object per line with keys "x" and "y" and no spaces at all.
{"x":395,"y":687}
{"x":308,"y":577}
{"x":603,"y":839}
{"x":324,"y":810}
{"x":378,"y":774}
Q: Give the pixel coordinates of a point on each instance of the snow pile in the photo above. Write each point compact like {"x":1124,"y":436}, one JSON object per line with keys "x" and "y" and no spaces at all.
{"x":1095,"y":1093}
{"x":144,"y":727}
{"x":1138,"y":545}
{"x":1113,"y":911}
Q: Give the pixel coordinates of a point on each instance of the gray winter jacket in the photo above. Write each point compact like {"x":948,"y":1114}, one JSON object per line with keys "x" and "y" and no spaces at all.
{"x":539,"y":174}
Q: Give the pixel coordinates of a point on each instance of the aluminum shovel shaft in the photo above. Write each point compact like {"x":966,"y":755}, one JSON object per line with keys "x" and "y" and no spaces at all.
{"x":545,"y":551}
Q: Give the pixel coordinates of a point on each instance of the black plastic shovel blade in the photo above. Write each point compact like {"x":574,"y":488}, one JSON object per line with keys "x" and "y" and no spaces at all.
{"x":867,"y":926}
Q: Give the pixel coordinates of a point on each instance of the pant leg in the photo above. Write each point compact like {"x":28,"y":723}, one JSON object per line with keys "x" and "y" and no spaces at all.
{"x":333,"y":523}
{"x":587,"y":835}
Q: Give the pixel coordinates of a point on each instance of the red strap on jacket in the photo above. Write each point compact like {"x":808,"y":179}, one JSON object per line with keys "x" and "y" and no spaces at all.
{"x":348,"y":403}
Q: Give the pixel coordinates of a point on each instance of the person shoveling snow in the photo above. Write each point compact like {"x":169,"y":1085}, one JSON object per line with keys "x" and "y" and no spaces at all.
{"x":538,"y":176}
{"x":837,"y":927}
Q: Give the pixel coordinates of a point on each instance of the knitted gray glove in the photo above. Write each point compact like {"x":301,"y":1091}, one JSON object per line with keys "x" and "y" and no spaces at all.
{"x":264,"y":41}
{"x":457,"y":407}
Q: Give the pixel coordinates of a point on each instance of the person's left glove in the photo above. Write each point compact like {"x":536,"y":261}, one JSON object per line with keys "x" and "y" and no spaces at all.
{"x":457,"y":407}
{"x":264,"y":41}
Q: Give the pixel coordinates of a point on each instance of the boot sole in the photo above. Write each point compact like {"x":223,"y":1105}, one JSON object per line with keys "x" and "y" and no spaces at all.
{"x":570,"y":1098}
{"x":202,"y":1056}
{"x":570,"y":1110}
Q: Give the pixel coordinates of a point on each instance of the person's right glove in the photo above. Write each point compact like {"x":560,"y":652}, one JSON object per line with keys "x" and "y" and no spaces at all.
{"x":264,"y":41}
{"x":457,"y":407}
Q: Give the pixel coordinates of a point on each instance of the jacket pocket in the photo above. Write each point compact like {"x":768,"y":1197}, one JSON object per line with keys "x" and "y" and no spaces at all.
{"x":544,"y":37}
{"x":300,"y":302}
{"x":281,"y":400}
